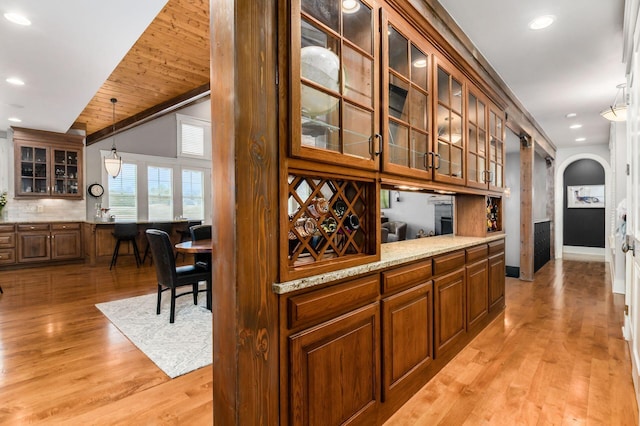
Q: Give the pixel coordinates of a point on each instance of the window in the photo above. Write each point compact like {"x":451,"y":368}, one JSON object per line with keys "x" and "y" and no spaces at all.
{"x":194,"y":137}
{"x":192,"y":194}
{"x":123,"y":193}
{"x":160,"y":189}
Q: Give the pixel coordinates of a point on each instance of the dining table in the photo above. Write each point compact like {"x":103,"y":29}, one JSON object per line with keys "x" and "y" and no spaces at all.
{"x":198,"y":247}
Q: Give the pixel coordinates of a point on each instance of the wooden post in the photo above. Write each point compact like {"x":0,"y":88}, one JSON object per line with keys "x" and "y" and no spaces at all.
{"x":527,"y":154}
{"x":244,"y":120}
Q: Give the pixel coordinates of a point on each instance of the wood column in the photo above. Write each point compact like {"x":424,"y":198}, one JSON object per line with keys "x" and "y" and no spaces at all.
{"x":527,"y":155}
{"x":244,"y":118}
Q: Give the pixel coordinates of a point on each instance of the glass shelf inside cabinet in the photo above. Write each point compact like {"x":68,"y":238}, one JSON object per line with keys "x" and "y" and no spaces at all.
{"x":326,"y":219}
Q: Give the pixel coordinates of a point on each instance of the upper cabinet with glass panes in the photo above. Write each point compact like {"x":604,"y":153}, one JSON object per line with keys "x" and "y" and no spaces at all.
{"x":406,"y":100}
{"x":449,"y":146}
{"x":334,"y":95}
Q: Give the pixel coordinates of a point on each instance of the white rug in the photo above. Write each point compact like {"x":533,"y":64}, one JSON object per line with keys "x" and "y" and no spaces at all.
{"x":177,"y":348}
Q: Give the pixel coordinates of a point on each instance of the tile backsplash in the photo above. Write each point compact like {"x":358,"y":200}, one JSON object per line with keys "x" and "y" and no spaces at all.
{"x":43,"y":210}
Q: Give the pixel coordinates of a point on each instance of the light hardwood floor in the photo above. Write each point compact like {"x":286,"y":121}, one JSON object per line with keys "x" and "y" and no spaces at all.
{"x":555,"y":356}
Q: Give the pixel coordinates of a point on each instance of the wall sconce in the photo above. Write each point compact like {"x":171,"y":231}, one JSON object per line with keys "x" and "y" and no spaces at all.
{"x":507,"y":192}
{"x":397,"y":193}
{"x":113,"y":163}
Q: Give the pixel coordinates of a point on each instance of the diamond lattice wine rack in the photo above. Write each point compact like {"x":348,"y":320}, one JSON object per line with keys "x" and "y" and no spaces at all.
{"x":328,"y":219}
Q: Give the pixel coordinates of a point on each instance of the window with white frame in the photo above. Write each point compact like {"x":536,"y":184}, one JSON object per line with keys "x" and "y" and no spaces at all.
{"x":193,"y":194}
{"x":194,"y":137}
{"x":123,"y":193}
{"x":160,"y":193}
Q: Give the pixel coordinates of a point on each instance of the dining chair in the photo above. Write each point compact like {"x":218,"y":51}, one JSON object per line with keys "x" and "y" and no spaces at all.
{"x":125,"y":232}
{"x":201,"y":232}
{"x":170,"y":277}
{"x":163,"y":226}
{"x":185,"y":233}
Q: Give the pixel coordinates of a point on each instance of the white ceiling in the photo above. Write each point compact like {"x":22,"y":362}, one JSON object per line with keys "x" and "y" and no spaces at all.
{"x":572,"y":66}
{"x":65,"y":56}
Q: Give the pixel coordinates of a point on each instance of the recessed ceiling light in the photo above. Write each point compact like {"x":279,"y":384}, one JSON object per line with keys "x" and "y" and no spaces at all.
{"x":350,"y":6}
{"x":420,"y":63}
{"x":15,"y":120}
{"x":15,"y":80}
{"x":575,"y":126}
{"x":17,"y":18}
{"x":581,"y":139}
{"x":571,"y":115}
{"x":542,"y":22}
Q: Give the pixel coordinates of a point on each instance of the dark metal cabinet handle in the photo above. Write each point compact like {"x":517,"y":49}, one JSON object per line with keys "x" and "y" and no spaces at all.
{"x":380,"y":141}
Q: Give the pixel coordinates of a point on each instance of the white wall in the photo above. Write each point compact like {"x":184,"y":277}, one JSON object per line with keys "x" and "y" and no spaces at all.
{"x":539,"y":189}
{"x":618,"y":150}
{"x":416,"y":209}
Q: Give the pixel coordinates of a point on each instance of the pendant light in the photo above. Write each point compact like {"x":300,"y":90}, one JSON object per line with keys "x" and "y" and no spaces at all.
{"x":617,"y":112}
{"x":113,"y":163}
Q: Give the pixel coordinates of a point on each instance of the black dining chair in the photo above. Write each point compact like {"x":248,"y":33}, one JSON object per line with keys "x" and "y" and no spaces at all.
{"x":163,"y":226}
{"x":201,"y":232}
{"x":125,"y":232}
{"x":171,"y":277}
{"x":185,"y":233}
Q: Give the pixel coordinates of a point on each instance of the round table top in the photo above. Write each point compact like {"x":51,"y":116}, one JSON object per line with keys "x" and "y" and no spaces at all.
{"x":200,"y":246}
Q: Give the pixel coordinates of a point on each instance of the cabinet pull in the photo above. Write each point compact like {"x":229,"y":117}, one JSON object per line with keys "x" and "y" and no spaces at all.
{"x":380,"y":140}
{"x":435,"y":154}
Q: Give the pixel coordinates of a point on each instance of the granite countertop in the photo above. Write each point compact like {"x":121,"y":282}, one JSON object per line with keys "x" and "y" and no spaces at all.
{"x":392,"y":254}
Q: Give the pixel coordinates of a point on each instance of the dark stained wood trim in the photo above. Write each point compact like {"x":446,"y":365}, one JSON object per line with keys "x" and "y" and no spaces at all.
{"x":191,"y":97}
{"x":245,"y":215}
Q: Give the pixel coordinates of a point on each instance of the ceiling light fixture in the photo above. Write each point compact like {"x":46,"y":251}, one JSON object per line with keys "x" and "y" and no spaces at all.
{"x":420,"y":63}
{"x":350,"y":6}
{"x":542,"y":22}
{"x":113,"y":163}
{"x":617,"y":112}
{"x":581,"y":139}
{"x":15,"y":81}
{"x":575,"y":126}
{"x":571,"y":115}
{"x":15,"y":120}
{"x":17,"y":18}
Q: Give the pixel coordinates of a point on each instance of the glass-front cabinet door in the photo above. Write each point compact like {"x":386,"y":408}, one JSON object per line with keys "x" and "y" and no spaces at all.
{"x":334,"y":94}
{"x":47,"y":170}
{"x":450,"y":146}
{"x":477,"y":132}
{"x":496,"y":149}
{"x":406,"y":101}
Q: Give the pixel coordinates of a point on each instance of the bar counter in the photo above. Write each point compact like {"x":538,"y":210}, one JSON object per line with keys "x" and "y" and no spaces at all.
{"x":392,"y":254}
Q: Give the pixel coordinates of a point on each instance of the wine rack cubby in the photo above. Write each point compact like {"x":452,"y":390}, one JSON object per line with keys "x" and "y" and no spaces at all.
{"x":328,"y":218}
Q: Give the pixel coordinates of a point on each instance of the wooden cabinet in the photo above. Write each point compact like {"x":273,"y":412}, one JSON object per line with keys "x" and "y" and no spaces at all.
{"x":449,"y":301}
{"x":7,"y":244}
{"x":406,"y":99}
{"x":449,"y":137}
{"x":41,"y":242}
{"x":334,"y":82}
{"x":496,"y":275}
{"x":496,"y":149}
{"x":47,"y":164}
{"x":477,"y":281}
{"x":335,"y":369}
{"x":478,"y":215}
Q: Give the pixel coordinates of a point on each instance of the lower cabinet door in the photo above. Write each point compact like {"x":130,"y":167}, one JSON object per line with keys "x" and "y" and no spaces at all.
{"x":335,"y":370}
{"x":477,"y":292}
{"x":496,"y":281}
{"x":449,"y":310}
{"x":34,"y":246}
{"x":66,"y":245}
{"x":407,"y":324}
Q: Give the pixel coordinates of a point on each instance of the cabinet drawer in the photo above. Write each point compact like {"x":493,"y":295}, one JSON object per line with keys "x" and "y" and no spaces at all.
{"x":33,"y":227}
{"x":7,"y":256}
{"x":477,"y":253}
{"x":331,"y":301}
{"x":7,"y":240}
{"x":405,"y":276}
{"x":448,"y":262}
{"x":64,"y":226}
{"x":7,"y":228}
{"x":496,"y":247}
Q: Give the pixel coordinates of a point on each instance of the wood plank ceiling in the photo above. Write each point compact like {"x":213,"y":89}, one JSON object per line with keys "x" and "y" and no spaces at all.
{"x":168,"y":64}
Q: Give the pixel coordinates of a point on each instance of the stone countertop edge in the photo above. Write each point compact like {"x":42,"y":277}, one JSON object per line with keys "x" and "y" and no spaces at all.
{"x":392,"y":254}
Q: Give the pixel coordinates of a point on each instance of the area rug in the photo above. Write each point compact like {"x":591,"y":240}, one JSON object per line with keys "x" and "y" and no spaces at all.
{"x":177,"y":348}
